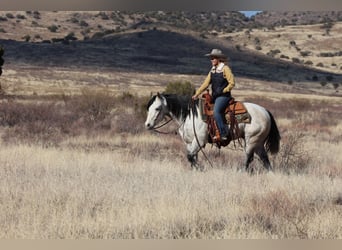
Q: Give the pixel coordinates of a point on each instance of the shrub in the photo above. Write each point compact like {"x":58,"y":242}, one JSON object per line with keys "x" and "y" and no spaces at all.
{"x":278,"y":213}
{"x":284,"y":57}
{"x":27,"y":38}
{"x":292,"y":156}
{"x":53,"y":28}
{"x":93,"y":105}
{"x":9,"y":15}
{"x":305,"y":53}
{"x":336,"y":85}
{"x":21,"y":16}
{"x":32,"y":123}
{"x":329,"y":78}
{"x":296,"y":60}
{"x":84,"y":24}
{"x":326,"y":54}
{"x":238,"y":47}
{"x":180,"y":88}
{"x":70,"y":36}
{"x":36,"y":14}
{"x":49,"y":123}
{"x":323,"y":83}
{"x":258,"y":47}
{"x":273,"y":52}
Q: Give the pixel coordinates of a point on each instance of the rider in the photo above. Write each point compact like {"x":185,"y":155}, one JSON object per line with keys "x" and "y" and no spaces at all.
{"x":222,"y":81}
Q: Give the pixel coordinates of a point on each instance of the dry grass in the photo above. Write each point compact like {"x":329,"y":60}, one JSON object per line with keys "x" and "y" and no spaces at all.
{"x":131,"y":189}
{"x":107,"y":178}
{"x":77,"y":164}
{"x":307,"y":38}
{"x":121,"y":185}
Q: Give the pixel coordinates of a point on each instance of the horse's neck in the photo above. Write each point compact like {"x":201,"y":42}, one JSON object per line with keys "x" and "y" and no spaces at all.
{"x":178,"y":108}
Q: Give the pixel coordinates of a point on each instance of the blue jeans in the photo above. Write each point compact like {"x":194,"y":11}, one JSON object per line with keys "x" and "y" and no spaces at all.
{"x":221,"y":103}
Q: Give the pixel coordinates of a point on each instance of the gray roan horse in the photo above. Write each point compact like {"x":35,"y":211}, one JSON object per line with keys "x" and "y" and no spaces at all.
{"x":260,"y":136}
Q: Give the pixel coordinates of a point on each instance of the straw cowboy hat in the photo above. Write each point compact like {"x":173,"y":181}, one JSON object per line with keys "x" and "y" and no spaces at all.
{"x":216,"y":53}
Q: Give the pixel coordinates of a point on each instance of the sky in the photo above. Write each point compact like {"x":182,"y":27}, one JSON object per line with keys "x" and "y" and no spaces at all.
{"x":250,"y":12}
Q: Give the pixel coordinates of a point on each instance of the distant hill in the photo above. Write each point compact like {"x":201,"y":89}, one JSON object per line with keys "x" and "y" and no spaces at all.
{"x":283,"y":18}
{"x":175,"y":42}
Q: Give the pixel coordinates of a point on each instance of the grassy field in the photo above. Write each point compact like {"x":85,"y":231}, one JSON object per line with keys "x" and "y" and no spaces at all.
{"x":76,"y":163}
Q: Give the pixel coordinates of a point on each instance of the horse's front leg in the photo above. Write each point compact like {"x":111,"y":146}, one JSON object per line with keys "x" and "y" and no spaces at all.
{"x":195,"y":138}
{"x":192,"y":154}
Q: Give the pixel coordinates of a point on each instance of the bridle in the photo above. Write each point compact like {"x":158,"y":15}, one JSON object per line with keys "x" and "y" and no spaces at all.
{"x":162,"y":125}
{"x":155,"y":129}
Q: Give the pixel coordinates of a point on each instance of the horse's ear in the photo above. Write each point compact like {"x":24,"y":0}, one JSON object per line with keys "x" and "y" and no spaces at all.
{"x":159,"y":95}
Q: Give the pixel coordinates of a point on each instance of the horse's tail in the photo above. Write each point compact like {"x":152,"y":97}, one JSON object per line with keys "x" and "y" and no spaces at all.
{"x":273,"y":138}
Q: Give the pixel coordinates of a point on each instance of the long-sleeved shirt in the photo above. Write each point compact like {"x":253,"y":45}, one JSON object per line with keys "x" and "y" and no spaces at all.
{"x":227,"y":74}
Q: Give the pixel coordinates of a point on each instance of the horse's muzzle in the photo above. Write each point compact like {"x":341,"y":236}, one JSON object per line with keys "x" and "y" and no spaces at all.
{"x":148,"y":126}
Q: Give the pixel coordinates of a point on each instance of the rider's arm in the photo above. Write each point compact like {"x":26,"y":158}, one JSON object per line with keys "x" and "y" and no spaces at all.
{"x":227,"y":73}
{"x":204,"y":85}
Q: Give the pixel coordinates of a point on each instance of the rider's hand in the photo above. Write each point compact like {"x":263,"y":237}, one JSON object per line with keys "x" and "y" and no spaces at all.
{"x":194,"y":97}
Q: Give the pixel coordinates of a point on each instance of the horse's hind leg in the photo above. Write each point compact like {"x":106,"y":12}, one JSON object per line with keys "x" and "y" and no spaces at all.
{"x":249,"y":159}
{"x":261,"y":152}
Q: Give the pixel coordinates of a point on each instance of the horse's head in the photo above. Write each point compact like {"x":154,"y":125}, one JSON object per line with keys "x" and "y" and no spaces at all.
{"x":157,"y":109}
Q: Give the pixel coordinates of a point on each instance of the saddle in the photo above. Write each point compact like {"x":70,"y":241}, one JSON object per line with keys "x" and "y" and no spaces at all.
{"x":235,"y":113}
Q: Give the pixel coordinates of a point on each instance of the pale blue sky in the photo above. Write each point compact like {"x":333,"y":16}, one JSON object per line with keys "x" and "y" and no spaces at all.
{"x":250,"y":13}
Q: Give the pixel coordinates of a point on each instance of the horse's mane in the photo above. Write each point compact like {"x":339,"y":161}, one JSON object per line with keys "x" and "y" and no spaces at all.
{"x":151,"y":101}
{"x":180,"y":105}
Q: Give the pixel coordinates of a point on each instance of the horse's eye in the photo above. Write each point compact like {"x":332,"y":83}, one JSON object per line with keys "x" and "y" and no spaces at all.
{"x":158,"y":109}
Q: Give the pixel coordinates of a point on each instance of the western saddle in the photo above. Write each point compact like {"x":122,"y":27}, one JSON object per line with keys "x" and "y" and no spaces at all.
{"x":235,"y":113}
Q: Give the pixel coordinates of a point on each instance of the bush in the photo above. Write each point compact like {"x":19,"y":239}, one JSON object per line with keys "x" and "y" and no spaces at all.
{"x":32,"y":123}
{"x":296,"y":60}
{"x":49,"y":123}
{"x":180,"y":88}
{"x":293,"y":157}
{"x":84,"y":24}
{"x":258,"y":47}
{"x":94,"y":106}
{"x":53,"y":28}
{"x":281,"y":214}
{"x":9,"y":15}
{"x":27,"y":38}
{"x":284,"y":57}
{"x":329,"y":78}
{"x":305,"y":53}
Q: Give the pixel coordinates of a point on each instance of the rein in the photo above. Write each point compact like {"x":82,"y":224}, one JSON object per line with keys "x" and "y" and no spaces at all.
{"x":198,"y":143}
{"x":162,"y":125}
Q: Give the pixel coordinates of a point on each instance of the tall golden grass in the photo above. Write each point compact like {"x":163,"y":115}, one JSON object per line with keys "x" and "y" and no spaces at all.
{"x":137,"y":188}
{"x":107,"y":182}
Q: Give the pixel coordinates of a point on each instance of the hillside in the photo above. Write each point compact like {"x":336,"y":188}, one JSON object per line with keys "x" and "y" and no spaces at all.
{"x":175,"y":42}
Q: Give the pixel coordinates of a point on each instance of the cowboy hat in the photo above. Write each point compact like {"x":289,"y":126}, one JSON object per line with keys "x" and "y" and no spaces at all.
{"x":216,"y":53}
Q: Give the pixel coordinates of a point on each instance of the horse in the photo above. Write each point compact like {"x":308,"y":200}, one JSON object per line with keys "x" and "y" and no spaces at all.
{"x":260,"y":136}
